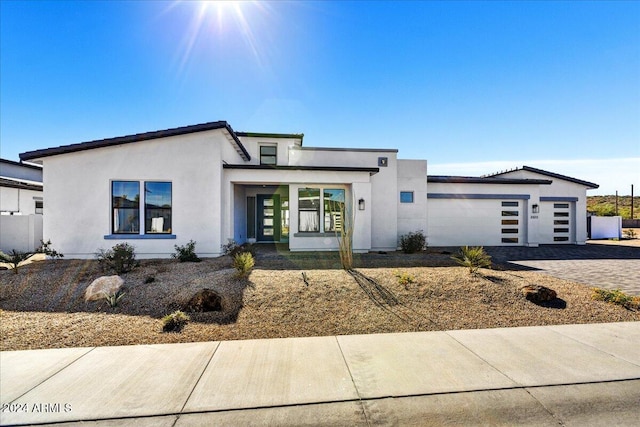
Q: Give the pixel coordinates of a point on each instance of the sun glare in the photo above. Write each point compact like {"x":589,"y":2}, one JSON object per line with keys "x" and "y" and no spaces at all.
{"x":213,"y":20}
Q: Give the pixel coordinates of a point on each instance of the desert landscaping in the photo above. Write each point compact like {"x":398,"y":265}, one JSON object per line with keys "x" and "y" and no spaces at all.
{"x":285,"y":295}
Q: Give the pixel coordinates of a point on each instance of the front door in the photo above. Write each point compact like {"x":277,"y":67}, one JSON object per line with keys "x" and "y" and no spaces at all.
{"x":268,"y":218}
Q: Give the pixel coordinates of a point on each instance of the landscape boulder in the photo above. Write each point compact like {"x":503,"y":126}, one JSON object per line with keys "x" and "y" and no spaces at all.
{"x":538,"y":293}
{"x":204,"y":300}
{"x":102,"y":286}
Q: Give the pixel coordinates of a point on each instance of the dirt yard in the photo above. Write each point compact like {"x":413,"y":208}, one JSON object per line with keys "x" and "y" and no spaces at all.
{"x":43,"y":305}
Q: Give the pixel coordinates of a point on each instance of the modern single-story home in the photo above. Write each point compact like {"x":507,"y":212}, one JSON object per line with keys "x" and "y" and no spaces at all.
{"x":211,"y":184}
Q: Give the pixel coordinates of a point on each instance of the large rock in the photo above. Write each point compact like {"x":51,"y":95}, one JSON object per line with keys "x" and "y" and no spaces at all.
{"x":538,"y":294}
{"x":102,"y":286}
{"x":204,"y":300}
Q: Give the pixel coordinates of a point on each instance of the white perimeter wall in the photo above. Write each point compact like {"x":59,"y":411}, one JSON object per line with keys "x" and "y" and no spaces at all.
{"x":20,"y":232}
{"x":19,"y":201}
{"x":412,"y":176}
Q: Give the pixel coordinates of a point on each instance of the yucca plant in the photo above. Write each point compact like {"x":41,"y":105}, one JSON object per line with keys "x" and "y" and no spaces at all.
{"x":473,"y":258}
{"x":114,"y":299}
{"x":243,"y":263}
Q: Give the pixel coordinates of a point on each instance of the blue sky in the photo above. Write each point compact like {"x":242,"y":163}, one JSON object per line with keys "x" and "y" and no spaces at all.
{"x":473,"y":87}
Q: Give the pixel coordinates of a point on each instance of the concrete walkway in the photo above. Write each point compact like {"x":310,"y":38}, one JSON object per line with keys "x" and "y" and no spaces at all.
{"x":554,"y":375}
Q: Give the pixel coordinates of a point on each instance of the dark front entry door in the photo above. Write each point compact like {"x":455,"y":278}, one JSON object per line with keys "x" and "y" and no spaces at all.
{"x":268,"y":218}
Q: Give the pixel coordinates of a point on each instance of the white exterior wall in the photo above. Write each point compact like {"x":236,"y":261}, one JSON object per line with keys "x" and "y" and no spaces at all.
{"x":384,"y":196}
{"x":356,"y":185}
{"x":561,"y":190}
{"x":412,"y":176}
{"x":19,"y":201}
{"x":475,"y":217}
{"x":77,"y":214}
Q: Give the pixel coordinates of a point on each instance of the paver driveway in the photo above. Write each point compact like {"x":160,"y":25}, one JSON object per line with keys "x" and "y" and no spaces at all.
{"x":602,"y":266}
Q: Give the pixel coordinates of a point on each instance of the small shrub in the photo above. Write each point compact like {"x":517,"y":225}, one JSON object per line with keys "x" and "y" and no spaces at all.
{"x":243,"y":263}
{"x":175,"y":321}
{"x":114,"y":299}
{"x":616,"y":296}
{"x":233,"y":248}
{"x":405,"y":279}
{"x":186,"y":253}
{"x":473,"y":257}
{"x":149,"y":279}
{"x":121,"y":258}
{"x":15,"y":258}
{"x":413,"y":242}
{"x":45,"y":248}
{"x":630,"y":233}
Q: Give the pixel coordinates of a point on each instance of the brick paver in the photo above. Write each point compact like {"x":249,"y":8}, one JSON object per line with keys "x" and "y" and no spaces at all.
{"x":602,"y":266}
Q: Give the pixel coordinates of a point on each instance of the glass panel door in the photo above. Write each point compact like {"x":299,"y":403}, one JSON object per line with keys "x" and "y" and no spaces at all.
{"x":268,"y":217}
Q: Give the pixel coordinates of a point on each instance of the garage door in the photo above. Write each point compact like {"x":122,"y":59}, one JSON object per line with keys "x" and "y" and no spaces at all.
{"x":475,"y":222}
{"x":557,"y":225}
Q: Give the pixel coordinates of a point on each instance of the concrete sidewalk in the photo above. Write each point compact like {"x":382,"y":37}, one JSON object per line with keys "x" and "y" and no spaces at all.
{"x":551,"y":375}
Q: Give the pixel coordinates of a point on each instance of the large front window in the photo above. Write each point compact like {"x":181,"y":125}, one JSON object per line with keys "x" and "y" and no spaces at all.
{"x":315,"y":204}
{"x":126,"y":201}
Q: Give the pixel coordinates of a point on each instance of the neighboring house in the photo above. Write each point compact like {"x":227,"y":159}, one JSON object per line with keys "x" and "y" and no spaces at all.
{"x":211,"y":184}
{"x":21,"y":205}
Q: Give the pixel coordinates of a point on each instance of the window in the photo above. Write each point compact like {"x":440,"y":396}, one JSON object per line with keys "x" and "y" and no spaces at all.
{"x":157,"y":207}
{"x":509,"y":222}
{"x":512,"y":204}
{"x":561,"y":222}
{"x":308,"y":210}
{"x":561,"y":214}
{"x":406,"y":197}
{"x":561,"y":205}
{"x":509,"y":213}
{"x":509,"y":231}
{"x":268,"y":155}
{"x":333,"y":209}
{"x":125,"y":202}
{"x":39,"y":207}
{"x":560,"y":230}
{"x":509,"y":240}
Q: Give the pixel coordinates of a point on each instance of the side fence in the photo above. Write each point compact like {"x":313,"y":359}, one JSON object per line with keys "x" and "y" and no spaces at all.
{"x":631,"y":223}
{"x":20,"y":232}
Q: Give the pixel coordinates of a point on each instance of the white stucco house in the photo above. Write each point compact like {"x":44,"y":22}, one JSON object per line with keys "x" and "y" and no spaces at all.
{"x":209,"y":183}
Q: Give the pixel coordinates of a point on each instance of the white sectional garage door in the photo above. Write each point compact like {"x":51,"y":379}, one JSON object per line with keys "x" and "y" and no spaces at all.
{"x":477,"y":222}
{"x":557,"y":222}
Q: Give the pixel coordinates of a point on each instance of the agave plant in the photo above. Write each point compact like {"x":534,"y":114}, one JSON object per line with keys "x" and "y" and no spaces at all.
{"x":114,"y":299}
{"x":473,"y":257}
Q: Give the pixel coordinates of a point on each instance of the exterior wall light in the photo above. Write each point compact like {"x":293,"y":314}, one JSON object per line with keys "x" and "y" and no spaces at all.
{"x":361,"y":204}
{"x":535,"y":208}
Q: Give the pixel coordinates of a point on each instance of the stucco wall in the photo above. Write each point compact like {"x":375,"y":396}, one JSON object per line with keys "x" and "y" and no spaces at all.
{"x":20,"y":232}
{"x":412,"y":176}
{"x":77,"y":189}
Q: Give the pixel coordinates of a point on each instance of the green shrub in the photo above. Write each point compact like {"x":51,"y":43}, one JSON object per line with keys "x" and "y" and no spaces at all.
{"x":45,"y":248}
{"x":186,"y":253}
{"x":412,"y":242}
{"x":175,"y":321}
{"x":405,"y":279}
{"x":473,"y":257}
{"x":616,"y":296}
{"x":15,"y":258}
{"x":114,"y":299}
{"x":233,"y":248}
{"x":121,"y":258}
{"x":243,"y":263}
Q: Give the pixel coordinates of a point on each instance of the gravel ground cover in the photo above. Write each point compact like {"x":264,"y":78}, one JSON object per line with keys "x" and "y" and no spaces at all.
{"x":43,"y":305}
